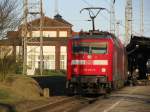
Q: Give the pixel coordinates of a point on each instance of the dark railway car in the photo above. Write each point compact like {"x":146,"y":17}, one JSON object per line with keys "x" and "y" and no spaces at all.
{"x":96,"y":63}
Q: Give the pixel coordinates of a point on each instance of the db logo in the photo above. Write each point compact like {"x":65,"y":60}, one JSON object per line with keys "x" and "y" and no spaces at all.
{"x":89,"y":56}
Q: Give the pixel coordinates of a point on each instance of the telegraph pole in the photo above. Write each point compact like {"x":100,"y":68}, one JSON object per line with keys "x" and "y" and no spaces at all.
{"x":24,"y":36}
{"x":141,"y":18}
{"x":41,"y":37}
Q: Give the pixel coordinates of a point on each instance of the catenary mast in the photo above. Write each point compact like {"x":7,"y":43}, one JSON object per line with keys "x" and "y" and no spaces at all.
{"x":32,"y":10}
{"x":128,"y":21}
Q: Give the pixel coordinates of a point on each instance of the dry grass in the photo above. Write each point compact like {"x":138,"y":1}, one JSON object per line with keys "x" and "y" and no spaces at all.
{"x":16,"y":89}
{"x":24,"y":87}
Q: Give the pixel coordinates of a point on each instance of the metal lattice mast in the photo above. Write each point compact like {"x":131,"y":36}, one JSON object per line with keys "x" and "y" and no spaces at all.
{"x":112,"y":17}
{"x":36,"y":11}
{"x":141,"y":18}
{"x":24,"y":36}
{"x":32,"y":10}
{"x":128,"y":20}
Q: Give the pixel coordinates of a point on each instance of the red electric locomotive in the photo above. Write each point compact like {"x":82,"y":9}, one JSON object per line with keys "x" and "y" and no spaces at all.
{"x":96,"y":63}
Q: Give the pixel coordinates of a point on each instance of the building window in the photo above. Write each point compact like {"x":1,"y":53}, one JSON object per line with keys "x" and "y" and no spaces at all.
{"x":63,"y":58}
{"x":48,"y":57}
{"x":49,"y":33}
{"x":51,"y":65}
{"x":39,"y":64}
{"x":62,"y":33}
{"x":31,"y":61}
{"x":35,"y":33}
{"x":45,"y":34}
{"x":31,"y":57}
{"x":48,"y":61}
{"x":31,"y":64}
{"x":63,"y":62}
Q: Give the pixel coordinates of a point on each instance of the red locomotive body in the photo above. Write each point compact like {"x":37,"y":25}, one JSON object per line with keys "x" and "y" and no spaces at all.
{"x":96,"y":63}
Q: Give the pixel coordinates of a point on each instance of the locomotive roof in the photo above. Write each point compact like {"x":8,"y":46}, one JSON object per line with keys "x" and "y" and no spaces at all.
{"x":96,"y":34}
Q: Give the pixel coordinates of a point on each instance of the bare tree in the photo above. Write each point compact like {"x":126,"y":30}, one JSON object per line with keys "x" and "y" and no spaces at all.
{"x":9,"y":16}
{"x":7,"y":63}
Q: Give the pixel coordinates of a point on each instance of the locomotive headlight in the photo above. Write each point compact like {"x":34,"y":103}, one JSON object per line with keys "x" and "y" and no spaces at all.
{"x":103,"y":70}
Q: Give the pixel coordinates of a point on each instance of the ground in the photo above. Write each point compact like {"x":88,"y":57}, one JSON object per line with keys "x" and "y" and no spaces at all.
{"x":128,"y":99}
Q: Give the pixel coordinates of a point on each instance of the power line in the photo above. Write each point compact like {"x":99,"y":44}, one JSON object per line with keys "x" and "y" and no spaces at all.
{"x":87,"y":3}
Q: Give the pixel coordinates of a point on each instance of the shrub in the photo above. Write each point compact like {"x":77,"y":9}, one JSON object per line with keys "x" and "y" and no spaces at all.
{"x":7,"y":62}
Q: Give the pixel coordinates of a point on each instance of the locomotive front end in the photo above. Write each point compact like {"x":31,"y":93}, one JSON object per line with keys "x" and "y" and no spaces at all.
{"x":89,"y":66}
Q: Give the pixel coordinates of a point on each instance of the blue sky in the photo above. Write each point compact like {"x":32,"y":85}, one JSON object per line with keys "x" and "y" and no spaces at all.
{"x":70,"y":10}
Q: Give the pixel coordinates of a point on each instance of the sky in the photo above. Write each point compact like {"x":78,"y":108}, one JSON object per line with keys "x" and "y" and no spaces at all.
{"x":70,"y":11}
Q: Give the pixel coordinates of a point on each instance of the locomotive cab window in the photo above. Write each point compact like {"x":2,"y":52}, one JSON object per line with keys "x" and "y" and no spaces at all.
{"x":90,"y":48}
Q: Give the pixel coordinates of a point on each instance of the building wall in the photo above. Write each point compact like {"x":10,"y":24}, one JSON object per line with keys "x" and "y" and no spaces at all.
{"x":49,"y":58}
{"x":54,"y":49}
{"x":55,"y":36}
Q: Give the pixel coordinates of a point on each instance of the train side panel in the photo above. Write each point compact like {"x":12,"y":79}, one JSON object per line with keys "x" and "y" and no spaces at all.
{"x":119,"y":66}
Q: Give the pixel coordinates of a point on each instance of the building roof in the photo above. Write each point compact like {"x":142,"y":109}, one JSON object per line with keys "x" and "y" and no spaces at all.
{"x":140,"y":41}
{"x":59,"y":18}
{"x":13,"y":37}
{"x":49,"y":22}
{"x":11,"y":42}
{"x":12,"y":34}
{"x":139,"y":45}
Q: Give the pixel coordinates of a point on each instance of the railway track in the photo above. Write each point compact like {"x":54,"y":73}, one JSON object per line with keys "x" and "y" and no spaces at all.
{"x":69,"y":104}
{"x":76,"y":103}
{"x":46,"y":107}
